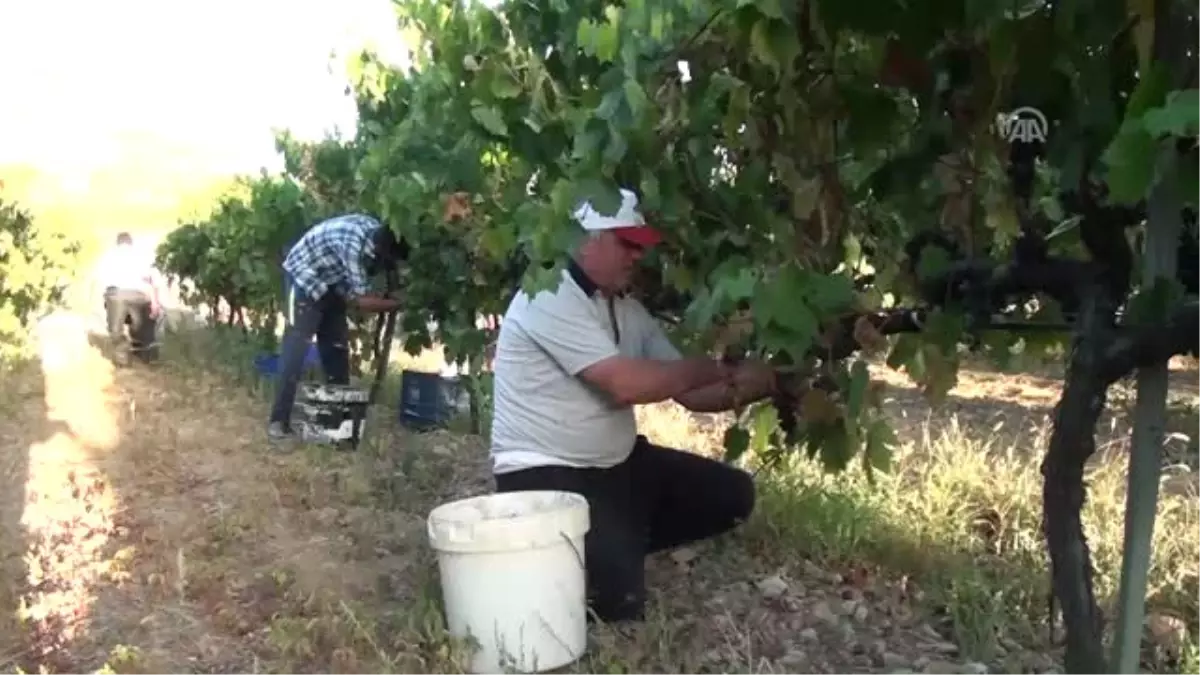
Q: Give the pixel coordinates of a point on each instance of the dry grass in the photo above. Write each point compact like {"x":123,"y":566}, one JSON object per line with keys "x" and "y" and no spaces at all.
{"x":206,"y":551}
{"x":961,"y":508}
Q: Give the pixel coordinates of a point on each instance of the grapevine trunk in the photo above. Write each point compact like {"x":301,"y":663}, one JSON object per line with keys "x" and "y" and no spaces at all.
{"x":1071,"y":445}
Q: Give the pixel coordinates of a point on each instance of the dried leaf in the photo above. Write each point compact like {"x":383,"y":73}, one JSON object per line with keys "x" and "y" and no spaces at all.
{"x":458,"y":205}
{"x":773,"y":586}
{"x":857,"y":576}
{"x":816,"y":407}
{"x":868,"y":336}
{"x":956,"y":212}
{"x":733,"y":332}
{"x":683,"y":556}
{"x":875,"y":391}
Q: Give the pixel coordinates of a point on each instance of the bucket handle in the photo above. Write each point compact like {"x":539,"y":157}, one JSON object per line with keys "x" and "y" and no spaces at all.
{"x":582,"y":566}
{"x":578,"y":555}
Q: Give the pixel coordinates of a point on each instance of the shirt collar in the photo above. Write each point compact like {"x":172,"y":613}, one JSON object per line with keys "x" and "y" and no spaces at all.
{"x":581,"y":278}
{"x":585,"y":283}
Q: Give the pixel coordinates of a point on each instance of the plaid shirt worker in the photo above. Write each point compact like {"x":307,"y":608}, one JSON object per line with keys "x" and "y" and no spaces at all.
{"x":328,"y":272}
{"x":332,"y":257}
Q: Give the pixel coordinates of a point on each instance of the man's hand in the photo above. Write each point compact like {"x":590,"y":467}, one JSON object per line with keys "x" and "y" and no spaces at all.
{"x":754,"y":379}
{"x":745,"y":383}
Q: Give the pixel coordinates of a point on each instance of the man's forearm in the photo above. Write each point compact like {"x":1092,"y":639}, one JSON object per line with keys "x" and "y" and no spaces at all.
{"x":642,"y":381}
{"x":375,"y":303}
{"x":720,"y":397}
{"x":155,"y":296}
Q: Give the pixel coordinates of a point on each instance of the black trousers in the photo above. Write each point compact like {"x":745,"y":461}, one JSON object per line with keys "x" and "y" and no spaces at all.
{"x":325,"y":318}
{"x":656,"y":499}
{"x":123,"y":306}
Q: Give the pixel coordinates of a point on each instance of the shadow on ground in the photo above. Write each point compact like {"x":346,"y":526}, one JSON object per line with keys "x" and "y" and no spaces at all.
{"x":26,"y":426}
{"x":57,"y":503}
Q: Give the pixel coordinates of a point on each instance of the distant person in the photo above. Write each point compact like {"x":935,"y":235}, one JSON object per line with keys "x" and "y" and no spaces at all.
{"x":327,"y":270}
{"x":131,"y":297}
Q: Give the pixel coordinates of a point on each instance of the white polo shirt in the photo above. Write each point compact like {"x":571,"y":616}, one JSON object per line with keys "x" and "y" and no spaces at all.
{"x":543,"y":413}
{"x":126,"y":267}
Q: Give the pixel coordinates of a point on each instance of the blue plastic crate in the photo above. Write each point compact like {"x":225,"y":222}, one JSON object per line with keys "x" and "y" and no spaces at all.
{"x":267,"y":365}
{"x":426,"y":399}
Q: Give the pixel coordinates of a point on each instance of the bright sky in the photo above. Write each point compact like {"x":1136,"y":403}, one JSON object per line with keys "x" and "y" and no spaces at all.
{"x":217,"y":75}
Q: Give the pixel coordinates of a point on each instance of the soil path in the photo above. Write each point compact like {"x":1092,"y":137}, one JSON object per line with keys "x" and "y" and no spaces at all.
{"x":143,"y":512}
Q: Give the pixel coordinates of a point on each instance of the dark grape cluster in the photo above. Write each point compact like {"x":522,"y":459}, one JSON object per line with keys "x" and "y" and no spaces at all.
{"x":785,"y":402}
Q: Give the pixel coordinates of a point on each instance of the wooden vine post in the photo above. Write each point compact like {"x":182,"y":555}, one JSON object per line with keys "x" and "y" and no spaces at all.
{"x":1163,"y":225}
{"x":1145,"y":459}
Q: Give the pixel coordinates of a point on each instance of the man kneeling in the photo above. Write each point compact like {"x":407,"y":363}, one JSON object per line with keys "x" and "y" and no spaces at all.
{"x":570,"y":365}
{"x":131,"y":298}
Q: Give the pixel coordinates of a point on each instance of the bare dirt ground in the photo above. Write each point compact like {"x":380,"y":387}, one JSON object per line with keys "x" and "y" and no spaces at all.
{"x":148,"y":527}
{"x":1015,"y":407}
{"x":151,"y":518}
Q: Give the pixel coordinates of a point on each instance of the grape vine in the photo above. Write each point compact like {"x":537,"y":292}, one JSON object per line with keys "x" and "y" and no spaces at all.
{"x":36,"y":265}
{"x":230,"y":260}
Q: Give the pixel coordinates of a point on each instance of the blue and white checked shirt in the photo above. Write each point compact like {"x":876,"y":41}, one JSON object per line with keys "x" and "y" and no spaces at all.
{"x":331,"y":255}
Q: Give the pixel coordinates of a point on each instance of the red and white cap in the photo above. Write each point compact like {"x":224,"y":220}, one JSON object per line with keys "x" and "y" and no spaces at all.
{"x":627,"y":223}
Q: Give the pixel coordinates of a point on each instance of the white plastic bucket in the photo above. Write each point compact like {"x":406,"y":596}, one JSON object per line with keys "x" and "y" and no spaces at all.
{"x":513,"y":577}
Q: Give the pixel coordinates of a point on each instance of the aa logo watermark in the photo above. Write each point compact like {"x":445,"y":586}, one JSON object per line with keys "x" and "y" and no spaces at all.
{"x":1024,"y":125}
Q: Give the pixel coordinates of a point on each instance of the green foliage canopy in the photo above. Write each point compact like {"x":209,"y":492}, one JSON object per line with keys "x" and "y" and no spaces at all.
{"x":36,"y":268}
